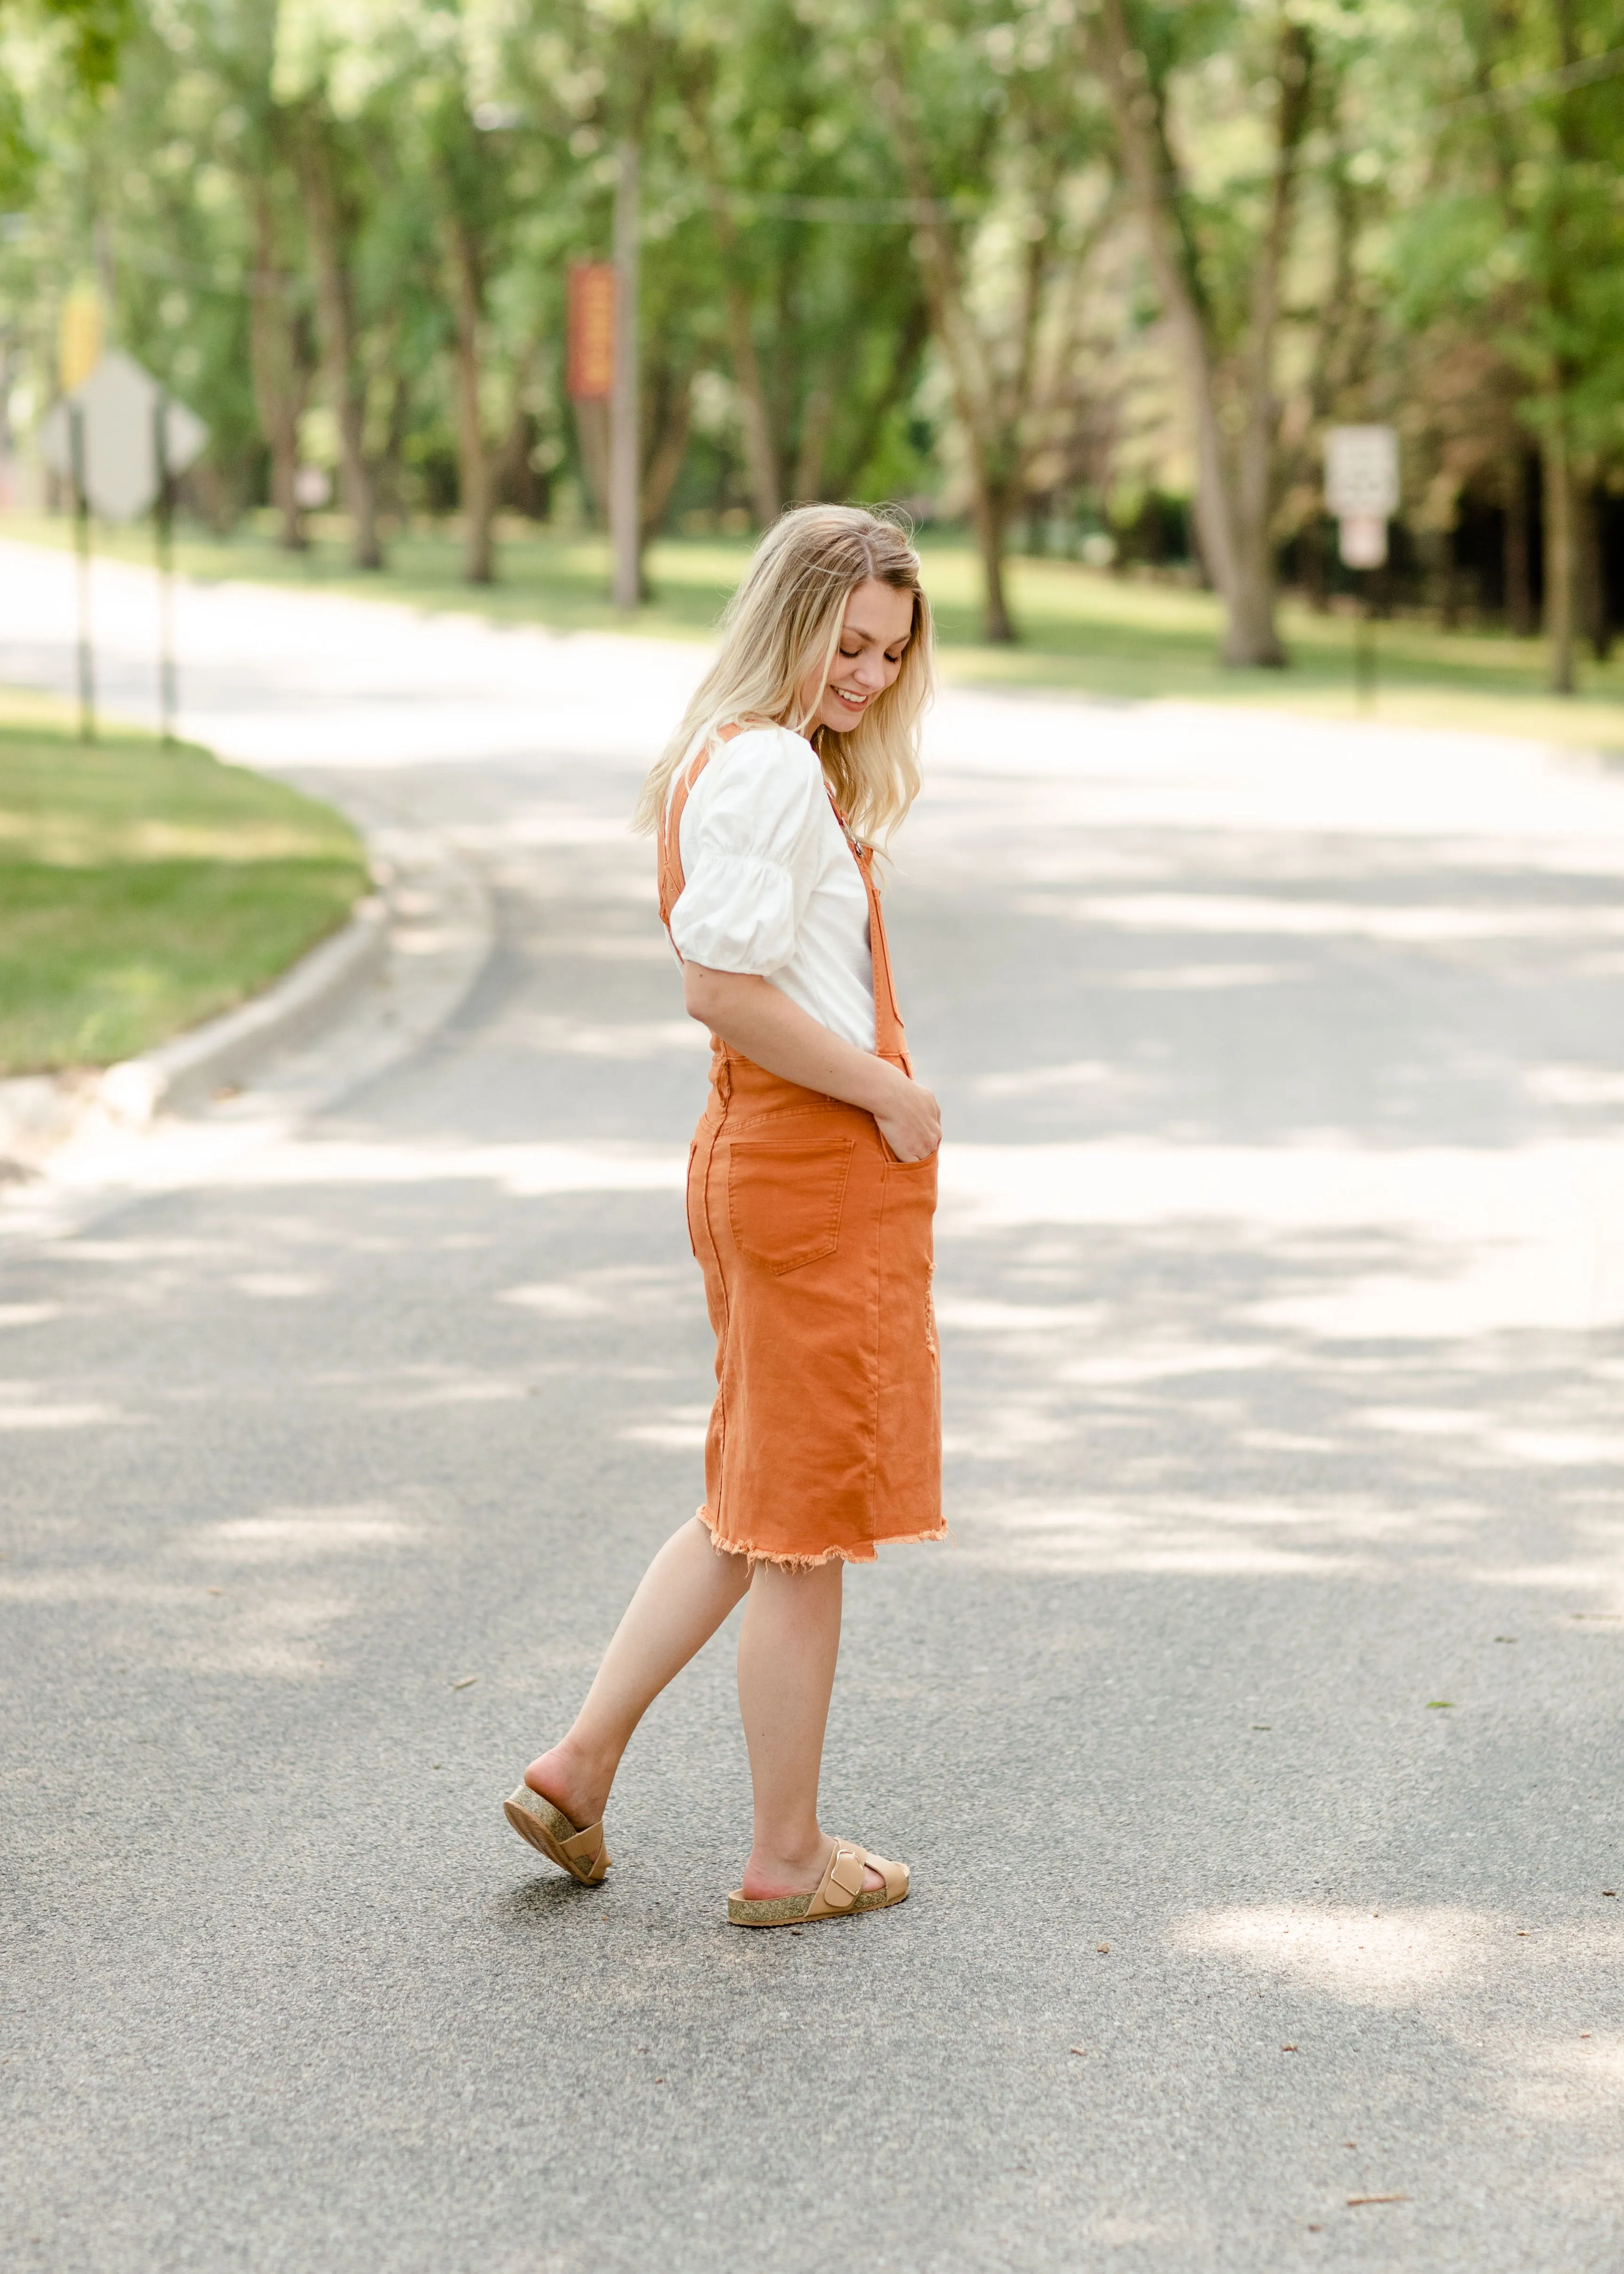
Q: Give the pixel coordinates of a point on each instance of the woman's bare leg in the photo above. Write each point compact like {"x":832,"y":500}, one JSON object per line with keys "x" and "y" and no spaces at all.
{"x":681,"y":1599}
{"x":787,"y":1648}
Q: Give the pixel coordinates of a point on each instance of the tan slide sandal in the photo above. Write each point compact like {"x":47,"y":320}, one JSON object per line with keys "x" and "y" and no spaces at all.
{"x":837,"y":1894}
{"x":582,"y":1854}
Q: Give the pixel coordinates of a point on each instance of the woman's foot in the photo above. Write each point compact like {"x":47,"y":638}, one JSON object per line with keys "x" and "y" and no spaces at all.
{"x":578,"y":1787}
{"x":768,"y":1876}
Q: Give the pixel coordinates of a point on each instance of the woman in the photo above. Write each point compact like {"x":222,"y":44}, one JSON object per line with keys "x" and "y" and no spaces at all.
{"x":811,"y":1189}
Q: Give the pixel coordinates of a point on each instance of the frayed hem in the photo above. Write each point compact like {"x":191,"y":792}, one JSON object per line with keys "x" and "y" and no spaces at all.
{"x":864,"y":1554}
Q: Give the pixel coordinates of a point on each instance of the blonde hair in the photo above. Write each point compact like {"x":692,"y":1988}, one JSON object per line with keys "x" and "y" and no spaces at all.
{"x":782,"y":625}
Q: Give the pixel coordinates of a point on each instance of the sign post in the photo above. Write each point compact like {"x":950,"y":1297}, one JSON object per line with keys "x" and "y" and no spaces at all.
{"x":625,"y":472}
{"x":163,"y":545}
{"x":81,"y":548}
{"x":591,"y":368}
{"x":123,"y":439}
{"x":1361,"y":489}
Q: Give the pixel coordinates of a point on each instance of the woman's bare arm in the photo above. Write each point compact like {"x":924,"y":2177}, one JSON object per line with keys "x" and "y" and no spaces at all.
{"x":758,"y":1020}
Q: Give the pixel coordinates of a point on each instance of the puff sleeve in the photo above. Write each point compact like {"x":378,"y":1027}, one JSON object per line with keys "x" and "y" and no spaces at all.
{"x":750,"y":853}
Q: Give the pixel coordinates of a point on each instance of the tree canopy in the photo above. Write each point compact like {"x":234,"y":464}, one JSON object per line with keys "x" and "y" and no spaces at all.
{"x":1093,"y":274}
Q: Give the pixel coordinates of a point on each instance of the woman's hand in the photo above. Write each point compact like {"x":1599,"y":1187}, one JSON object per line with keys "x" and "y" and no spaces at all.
{"x":761,"y":1022}
{"x":909,"y":1118}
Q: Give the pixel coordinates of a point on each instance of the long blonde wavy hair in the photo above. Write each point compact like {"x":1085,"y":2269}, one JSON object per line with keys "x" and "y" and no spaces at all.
{"x":782,"y":626}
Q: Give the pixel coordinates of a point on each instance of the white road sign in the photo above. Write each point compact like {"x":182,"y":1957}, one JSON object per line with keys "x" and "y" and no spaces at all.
{"x":1361,"y":471}
{"x":118,"y":405}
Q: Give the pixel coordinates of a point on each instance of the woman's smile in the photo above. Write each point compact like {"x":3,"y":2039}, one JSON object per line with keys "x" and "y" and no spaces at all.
{"x":874,"y":633}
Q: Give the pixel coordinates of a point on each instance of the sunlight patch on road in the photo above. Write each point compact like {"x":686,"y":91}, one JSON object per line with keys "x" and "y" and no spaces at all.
{"x":617,"y":1040}
{"x":1197,"y":978}
{"x":1362,"y":1957}
{"x":523,"y":1171}
{"x":1575,"y":1085}
{"x":1152,"y":1360}
{"x":616,"y":1291}
{"x":1317,"y":919}
{"x":1525,"y":1237}
{"x":1175,"y":1536}
{"x":680,"y":1430}
{"x":292,"y":1535}
{"x":29,"y":1406}
{"x":1049,"y":1081}
{"x":967,"y":1315}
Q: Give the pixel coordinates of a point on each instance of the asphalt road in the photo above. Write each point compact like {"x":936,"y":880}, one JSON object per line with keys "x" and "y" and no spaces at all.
{"x":1281,"y":1273}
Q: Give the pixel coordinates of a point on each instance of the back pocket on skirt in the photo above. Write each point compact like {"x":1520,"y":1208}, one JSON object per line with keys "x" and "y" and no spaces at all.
{"x":785,"y":1198}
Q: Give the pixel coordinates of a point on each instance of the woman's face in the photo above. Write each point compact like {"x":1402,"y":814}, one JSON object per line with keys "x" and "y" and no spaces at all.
{"x":873,"y":635}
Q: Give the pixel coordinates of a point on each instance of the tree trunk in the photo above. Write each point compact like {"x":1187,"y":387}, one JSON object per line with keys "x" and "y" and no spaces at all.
{"x":665,"y":460}
{"x":519,"y":483}
{"x":989,"y":507}
{"x":974,"y":390}
{"x":279,"y":385}
{"x":1146,"y":165}
{"x":838,"y":481}
{"x":1251,"y":637}
{"x":474,"y":481}
{"x":761,"y":454}
{"x":335,"y":311}
{"x":1519,"y":584}
{"x":1232,"y":506}
{"x":1448,"y":575}
{"x":1559,"y":562}
{"x":991,"y":517}
{"x":815,"y":413}
{"x":389,"y":483}
{"x":761,"y":458}
{"x":1592,"y":572}
{"x":593,"y":440}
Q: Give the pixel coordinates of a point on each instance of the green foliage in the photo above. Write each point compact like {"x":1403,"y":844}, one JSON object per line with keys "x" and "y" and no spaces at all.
{"x":1455,"y":257}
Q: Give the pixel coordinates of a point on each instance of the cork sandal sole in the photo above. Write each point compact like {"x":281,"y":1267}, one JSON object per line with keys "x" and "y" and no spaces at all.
{"x":840,"y":1894}
{"x":582,"y":1854}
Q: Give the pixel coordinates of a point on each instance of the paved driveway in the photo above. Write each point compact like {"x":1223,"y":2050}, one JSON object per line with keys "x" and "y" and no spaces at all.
{"x":1282,"y":1297}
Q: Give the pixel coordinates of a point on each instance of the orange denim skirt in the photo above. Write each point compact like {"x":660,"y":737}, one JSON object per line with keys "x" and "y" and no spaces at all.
{"x":816,"y":1243}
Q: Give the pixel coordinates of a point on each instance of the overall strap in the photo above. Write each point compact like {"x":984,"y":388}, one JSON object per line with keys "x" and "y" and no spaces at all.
{"x":890,"y":1042}
{"x":670,"y":847}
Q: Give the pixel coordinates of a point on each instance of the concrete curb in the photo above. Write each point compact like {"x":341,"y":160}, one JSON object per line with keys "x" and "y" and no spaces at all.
{"x":39,"y":1112}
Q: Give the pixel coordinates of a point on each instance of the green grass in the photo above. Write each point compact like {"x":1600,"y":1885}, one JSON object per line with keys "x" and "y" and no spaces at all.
{"x":142,"y":890}
{"x":1083,"y":630}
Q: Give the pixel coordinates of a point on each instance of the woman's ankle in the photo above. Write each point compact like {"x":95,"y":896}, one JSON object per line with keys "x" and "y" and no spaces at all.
{"x":573,"y":1779}
{"x":772,"y":1871}
{"x":785,"y":1868}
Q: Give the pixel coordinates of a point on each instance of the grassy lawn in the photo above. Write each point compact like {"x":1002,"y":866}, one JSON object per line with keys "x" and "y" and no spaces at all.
{"x":142,"y":890}
{"x":1082,"y":628}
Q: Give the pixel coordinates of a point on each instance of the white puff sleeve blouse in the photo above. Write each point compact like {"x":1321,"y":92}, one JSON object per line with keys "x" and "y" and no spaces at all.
{"x":771,"y":885}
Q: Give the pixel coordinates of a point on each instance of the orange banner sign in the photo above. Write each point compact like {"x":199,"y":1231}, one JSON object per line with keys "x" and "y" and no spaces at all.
{"x":591,"y":330}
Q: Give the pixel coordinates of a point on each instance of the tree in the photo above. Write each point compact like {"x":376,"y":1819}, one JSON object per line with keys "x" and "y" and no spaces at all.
{"x":1510,"y":263}
{"x":1219,"y":262}
{"x":823,"y":317}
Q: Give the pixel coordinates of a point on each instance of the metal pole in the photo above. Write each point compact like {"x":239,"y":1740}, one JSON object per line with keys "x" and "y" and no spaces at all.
{"x":81,"y":545}
{"x":625,"y":482}
{"x":1364,"y":648}
{"x":163,"y":533}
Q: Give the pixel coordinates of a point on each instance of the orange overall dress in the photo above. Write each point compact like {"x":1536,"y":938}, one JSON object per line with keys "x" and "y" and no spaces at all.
{"x":815,"y":1242}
